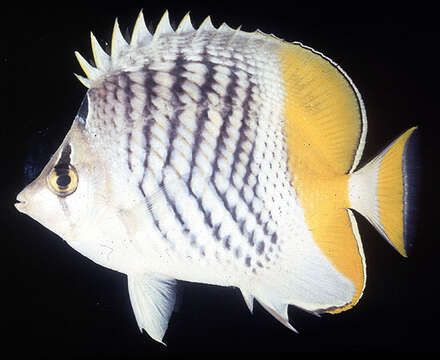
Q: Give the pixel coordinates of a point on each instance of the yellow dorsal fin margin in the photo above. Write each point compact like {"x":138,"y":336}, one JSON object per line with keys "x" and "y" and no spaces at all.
{"x":325,"y":107}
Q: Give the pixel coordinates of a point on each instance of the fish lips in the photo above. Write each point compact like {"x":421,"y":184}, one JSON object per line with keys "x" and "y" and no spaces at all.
{"x":21,"y":203}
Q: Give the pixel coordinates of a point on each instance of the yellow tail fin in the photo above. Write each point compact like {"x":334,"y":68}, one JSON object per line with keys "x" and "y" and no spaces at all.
{"x":382,"y":191}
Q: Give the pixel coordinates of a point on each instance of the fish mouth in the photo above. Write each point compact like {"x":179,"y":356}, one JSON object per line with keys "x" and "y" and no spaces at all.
{"x":20,"y":203}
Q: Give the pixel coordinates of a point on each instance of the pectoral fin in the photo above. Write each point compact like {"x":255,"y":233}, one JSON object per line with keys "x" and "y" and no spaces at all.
{"x":153,"y":298}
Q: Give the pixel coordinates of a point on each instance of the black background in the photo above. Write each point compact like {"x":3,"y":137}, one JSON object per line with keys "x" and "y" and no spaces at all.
{"x":58,"y":303}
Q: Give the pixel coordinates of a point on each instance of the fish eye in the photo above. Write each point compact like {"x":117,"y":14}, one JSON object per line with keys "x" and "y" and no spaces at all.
{"x":63,"y":180}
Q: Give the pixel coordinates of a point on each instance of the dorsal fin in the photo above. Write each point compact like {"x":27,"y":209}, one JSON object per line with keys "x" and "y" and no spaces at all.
{"x":102,"y":59}
{"x":206,"y":25}
{"x":141,"y":36}
{"x":226,"y":28}
{"x":185,"y":25}
{"x":323,"y":109}
{"x":119,"y":44}
{"x":83,"y":80}
{"x":164,"y":27}
{"x":90,"y":71}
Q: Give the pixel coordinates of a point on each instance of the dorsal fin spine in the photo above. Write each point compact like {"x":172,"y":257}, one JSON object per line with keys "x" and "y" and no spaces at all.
{"x":225,"y":28}
{"x":90,"y":71}
{"x":83,"y":80}
{"x":205,"y":28}
{"x":206,"y":25}
{"x":119,"y":44}
{"x":141,"y":36}
{"x":185,"y":24}
{"x":164,"y":27}
{"x":102,"y":59}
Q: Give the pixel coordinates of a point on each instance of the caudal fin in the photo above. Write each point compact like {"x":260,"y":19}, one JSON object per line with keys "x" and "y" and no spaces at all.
{"x":384,"y":192}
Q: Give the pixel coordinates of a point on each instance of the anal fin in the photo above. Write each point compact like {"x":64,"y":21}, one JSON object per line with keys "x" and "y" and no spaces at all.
{"x":279,"y":312}
{"x":248,"y":299}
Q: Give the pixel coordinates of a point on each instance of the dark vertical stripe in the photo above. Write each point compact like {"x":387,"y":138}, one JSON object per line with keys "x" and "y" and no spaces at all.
{"x":242,"y":135}
{"x":176,"y":89}
{"x":128,"y":111}
{"x":174,"y":122}
{"x":147,"y":113}
{"x":220,"y":145}
{"x":202,"y":117}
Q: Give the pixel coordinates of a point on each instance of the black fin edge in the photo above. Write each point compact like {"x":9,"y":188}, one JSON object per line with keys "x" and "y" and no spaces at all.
{"x":411,"y":169}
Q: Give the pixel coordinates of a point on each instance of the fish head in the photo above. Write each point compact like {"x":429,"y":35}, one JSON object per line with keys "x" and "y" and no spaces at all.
{"x":71,"y":193}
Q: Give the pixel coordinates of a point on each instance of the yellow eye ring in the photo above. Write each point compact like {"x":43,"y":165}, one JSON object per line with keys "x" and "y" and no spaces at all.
{"x":63,"y":180}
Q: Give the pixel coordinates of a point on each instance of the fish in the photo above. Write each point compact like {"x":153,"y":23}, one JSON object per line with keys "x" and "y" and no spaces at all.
{"x":225,"y":157}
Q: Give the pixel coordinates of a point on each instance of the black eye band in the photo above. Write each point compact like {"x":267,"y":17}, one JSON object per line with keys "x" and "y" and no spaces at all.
{"x":64,"y":161}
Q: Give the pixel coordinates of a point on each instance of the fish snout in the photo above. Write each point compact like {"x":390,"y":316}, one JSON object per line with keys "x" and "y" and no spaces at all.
{"x":21,"y":203}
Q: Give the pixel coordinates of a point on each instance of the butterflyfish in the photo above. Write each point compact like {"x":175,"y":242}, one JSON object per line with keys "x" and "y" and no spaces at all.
{"x":219,"y":156}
